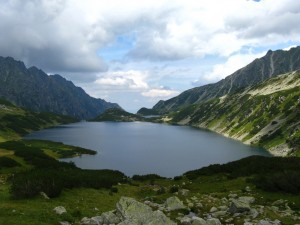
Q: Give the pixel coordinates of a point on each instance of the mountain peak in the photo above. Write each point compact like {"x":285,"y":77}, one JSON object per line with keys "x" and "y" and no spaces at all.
{"x":272,"y":64}
{"x":32,"y":88}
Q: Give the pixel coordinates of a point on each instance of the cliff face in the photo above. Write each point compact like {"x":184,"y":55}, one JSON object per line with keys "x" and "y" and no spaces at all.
{"x":34,"y":89}
{"x":272,"y":64}
{"x":266,"y":114}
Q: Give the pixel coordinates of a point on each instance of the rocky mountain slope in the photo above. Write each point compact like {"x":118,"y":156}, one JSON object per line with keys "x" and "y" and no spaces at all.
{"x":267,"y":115}
{"x":34,"y":89}
{"x":272,"y":64}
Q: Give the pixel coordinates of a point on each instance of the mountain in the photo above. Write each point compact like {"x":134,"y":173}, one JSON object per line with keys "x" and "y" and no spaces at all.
{"x":266,"y":115}
{"x":272,"y":64}
{"x":16,"y":121}
{"x":34,"y":89}
{"x":117,"y":115}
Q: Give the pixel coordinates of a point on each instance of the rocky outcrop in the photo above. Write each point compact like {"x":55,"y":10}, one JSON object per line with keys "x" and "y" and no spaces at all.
{"x":130,"y":212}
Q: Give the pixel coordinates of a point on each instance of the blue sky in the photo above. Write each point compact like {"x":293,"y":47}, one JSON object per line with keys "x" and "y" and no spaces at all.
{"x":137,"y":52}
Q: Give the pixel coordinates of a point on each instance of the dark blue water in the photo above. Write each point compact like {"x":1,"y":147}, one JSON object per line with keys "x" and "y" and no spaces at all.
{"x":143,"y":148}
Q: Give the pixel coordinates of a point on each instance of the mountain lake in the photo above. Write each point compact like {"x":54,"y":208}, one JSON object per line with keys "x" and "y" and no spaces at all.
{"x":144,"y":148}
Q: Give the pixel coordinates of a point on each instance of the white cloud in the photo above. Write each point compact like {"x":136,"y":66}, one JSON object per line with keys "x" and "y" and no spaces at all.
{"x":232,"y":64}
{"x":163,"y":93}
{"x":131,"y":79}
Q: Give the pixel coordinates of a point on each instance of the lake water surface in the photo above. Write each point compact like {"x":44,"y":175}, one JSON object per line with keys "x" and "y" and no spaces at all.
{"x":143,"y":148}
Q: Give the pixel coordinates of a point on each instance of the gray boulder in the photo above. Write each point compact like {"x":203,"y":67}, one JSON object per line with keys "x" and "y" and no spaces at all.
{"x":238,"y":206}
{"x":60,"y":210}
{"x":247,"y":199}
{"x":174,"y":203}
{"x":110,"y":218}
{"x":198,"y":221}
{"x":213,"y":221}
{"x":133,"y":212}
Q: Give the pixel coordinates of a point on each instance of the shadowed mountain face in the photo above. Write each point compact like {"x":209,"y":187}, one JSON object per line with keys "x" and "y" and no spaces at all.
{"x":34,"y":89}
{"x":272,"y":64}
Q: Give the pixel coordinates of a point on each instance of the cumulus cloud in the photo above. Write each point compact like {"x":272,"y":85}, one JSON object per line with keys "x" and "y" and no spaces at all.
{"x":163,"y":93}
{"x":132,"y":79}
{"x":232,"y":64}
{"x":65,"y":35}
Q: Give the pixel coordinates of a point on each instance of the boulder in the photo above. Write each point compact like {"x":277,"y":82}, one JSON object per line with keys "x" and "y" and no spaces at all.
{"x":213,"y":221}
{"x":184,"y":192}
{"x":198,"y":221}
{"x":89,"y":221}
{"x":238,"y":206}
{"x":110,"y":218}
{"x":60,"y":210}
{"x":133,"y":212}
{"x":173,"y":203}
{"x":247,"y":199}
{"x":213,"y":209}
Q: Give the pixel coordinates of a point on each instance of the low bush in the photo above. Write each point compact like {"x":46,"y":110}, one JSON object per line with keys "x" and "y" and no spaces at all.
{"x":52,"y":181}
{"x":7,"y":162}
{"x":147,"y":177}
{"x":286,"y":181}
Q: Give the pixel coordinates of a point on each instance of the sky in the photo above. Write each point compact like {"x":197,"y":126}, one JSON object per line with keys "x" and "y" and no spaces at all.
{"x":137,"y":52}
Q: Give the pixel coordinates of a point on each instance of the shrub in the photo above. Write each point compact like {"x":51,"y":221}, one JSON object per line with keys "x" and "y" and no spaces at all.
{"x":286,"y":181}
{"x":8,"y":162}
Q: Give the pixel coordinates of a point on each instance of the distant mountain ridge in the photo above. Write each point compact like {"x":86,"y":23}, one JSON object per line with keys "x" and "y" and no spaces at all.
{"x":32,"y":88}
{"x":272,"y":64}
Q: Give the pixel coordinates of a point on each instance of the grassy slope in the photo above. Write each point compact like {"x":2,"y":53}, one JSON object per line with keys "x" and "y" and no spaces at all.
{"x":16,"y":122}
{"x":266,"y":115}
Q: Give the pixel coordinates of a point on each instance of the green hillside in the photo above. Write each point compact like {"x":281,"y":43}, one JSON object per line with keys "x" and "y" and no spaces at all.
{"x":16,"y":122}
{"x":117,"y":115}
{"x":267,"y":115}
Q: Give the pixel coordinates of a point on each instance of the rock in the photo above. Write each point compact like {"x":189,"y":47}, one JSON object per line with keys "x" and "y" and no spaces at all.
{"x":248,"y":189}
{"x":213,"y":221}
{"x":199,"y":205}
{"x":64,"y":223}
{"x":213,"y":209}
{"x":44,"y":195}
{"x":247,"y":199}
{"x":232,"y":195}
{"x":264,"y":222}
{"x":279,"y":202}
{"x":132,"y":212}
{"x":238,"y":206}
{"x":60,"y":210}
{"x":198,"y":221}
{"x":184,"y":192}
{"x":173,"y":203}
{"x":191,"y":205}
{"x":110,"y":218}
{"x":186,"y":220}
{"x":254,"y":213}
{"x":88,"y":221}
{"x":219,"y":214}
